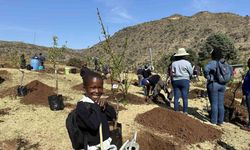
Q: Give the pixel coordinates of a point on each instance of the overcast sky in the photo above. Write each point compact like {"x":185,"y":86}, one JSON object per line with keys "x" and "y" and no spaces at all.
{"x":76,"y":21}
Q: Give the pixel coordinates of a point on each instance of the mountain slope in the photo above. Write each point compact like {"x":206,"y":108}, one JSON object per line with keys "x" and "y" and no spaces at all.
{"x":168,"y":34}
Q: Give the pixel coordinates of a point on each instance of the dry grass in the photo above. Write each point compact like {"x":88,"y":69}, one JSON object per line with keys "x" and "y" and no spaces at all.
{"x":39,"y":125}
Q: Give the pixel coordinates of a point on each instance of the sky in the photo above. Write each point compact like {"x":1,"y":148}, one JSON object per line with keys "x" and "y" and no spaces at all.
{"x":76,"y":24}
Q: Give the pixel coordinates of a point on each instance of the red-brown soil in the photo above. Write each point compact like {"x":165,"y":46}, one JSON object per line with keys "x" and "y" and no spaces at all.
{"x":38,"y":93}
{"x":184,"y":128}
{"x":238,"y":112}
{"x":12,"y":92}
{"x":149,"y":141}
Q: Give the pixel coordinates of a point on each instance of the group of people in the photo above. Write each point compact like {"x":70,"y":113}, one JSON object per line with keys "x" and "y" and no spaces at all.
{"x":23,"y":63}
{"x":92,"y":111}
{"x":180,"y":72}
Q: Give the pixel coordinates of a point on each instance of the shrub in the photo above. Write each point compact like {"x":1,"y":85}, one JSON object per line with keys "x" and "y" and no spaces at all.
{"x":75,"y":62}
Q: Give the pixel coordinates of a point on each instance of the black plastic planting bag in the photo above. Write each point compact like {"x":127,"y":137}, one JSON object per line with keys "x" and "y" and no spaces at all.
{"x":22,"y":91}
{"x":56,"y":102}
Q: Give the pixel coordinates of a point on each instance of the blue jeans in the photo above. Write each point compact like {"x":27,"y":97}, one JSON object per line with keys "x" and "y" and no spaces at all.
{"x":181,"y":86}
{"x":248,"y":108}
{"x":216,"y":93}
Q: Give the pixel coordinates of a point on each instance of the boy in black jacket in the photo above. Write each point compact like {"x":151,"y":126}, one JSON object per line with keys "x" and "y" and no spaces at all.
{"x":91,"y":111}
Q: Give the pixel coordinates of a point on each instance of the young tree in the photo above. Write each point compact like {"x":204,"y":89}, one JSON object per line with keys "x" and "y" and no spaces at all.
{"x":54,"y":55}
{"x":116,"y":61}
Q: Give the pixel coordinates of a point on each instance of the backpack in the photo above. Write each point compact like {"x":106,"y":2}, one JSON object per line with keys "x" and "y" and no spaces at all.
{"x":78,"y":139}
{"x":223,"y":72}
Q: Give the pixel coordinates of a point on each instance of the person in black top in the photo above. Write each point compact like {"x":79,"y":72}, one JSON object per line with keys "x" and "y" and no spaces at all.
{"x":154,"y":84}
{"x":91,"y":111}
{"x":146,"y":72}
{"x":41,"y":59}
{"x":22,"y":62}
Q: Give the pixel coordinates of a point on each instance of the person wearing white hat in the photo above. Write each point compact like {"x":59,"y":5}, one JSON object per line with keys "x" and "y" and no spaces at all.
{"x":181,"y":72}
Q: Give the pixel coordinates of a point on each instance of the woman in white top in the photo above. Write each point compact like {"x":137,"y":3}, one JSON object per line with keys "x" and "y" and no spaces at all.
{"x":181,"y":71}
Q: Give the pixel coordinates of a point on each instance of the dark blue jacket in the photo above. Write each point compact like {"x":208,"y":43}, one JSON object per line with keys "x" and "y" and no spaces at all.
{"x":246,"y":84}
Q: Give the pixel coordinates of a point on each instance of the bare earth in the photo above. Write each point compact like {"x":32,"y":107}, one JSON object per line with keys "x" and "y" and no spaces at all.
{"x":28,"y":123}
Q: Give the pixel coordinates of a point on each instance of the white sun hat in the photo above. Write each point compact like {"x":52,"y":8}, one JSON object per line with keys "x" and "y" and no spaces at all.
{"x":181,"y":52}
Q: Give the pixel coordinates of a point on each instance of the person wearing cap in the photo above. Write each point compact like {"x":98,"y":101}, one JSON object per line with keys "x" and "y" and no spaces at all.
{"x":181,"y":72}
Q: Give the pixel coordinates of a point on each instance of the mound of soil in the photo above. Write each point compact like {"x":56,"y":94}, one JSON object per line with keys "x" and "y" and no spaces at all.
{"x":38,"y":93}
{"x":149,"y":141}
{"x":237,"y":113}
{"x":185,"y":129}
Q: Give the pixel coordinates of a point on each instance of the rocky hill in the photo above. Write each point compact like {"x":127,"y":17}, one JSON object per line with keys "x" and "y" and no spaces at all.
{"x":163,"y":36}
{"x":168,"y":34}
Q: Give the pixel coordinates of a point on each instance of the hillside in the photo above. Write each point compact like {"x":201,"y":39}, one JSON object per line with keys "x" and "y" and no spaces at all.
{"x":163,"y":36}
{"x":168,"y":34}
{"x":8,"y":50}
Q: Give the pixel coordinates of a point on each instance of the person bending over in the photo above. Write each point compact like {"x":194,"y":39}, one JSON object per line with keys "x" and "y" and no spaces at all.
{"x":154,"y":84}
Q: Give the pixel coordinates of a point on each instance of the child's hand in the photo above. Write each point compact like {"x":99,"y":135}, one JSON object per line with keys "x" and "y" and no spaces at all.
{"x":102,"y":104}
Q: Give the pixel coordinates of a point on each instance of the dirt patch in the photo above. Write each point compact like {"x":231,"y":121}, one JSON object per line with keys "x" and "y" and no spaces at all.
{"x":197,"y":93}
{"x":12,"y":92}
{"x":70,"y":106}
{"x":52,"y":70}
{"x":17,"y":144}
{"x":235,"y":88}
{"x":182,"y":127}
{"x":4,"y":111}
{"x":38,"y":93}
{"x":130,"y":98}
{"x":4,"y":75}
{"x":149,"y":141}
{"x":236,"y":113}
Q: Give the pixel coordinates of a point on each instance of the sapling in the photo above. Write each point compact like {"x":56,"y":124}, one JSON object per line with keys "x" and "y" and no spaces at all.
{"x":116,"y":62}
{"x":54,"y":54}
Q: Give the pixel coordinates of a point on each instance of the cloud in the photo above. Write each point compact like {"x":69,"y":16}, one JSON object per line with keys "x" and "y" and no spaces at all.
{"x":201,"y":4}
{"x":117,"y":11}
{"x":15,"y":28}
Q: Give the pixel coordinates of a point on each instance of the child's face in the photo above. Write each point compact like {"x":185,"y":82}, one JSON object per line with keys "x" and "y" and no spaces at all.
{"x":94,"y":89}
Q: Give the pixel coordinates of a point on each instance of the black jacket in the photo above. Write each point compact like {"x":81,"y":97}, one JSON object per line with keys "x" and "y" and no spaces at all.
{"x":89,"y":117}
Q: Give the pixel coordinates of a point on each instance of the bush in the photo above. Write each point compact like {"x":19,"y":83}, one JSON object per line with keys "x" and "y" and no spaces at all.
{"x":75,"y":62}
